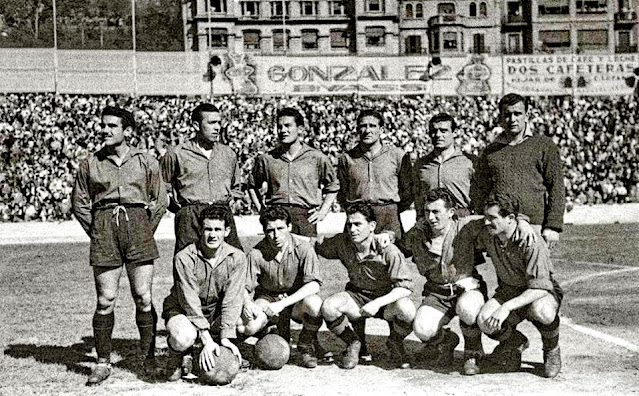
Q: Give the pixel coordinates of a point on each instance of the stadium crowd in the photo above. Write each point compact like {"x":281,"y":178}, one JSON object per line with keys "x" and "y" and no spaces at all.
{"x":43,"y":137}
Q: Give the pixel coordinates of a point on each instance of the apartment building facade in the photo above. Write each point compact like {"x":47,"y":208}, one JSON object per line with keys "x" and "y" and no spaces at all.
{"x":411,"y":27}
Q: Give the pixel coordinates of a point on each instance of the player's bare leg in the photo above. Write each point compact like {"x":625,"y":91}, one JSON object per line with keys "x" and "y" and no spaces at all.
{"x":181,"y":338}
{"x":146,"y":319}
{"x":106,"y":287}
{"x":512,"y":343}
{"x":400,"y":315}
{"x":468,"y":306}
{"x":337,"y":310}
{"x":308,"y":311}
{"x":545,"y":317}
{"x":429,"y":328}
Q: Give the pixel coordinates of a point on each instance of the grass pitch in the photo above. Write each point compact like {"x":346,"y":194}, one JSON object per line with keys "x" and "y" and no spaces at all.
{"x":48,"y":300}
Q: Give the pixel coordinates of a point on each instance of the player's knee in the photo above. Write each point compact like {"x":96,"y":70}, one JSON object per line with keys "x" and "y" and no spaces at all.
{"x":402,"y":310}
{"x":331,"y":308}
{"x":181,"y":337}
{"x":425,"y":329}
{"x":543,"y":313}
{"x":143,"y":300}
{"x":468,"y":311}
{"x":312,"y":305}
{"x":106,"y":303}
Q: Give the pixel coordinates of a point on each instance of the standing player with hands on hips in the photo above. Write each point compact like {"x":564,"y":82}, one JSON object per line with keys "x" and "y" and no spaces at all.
{"x":119,"y":199}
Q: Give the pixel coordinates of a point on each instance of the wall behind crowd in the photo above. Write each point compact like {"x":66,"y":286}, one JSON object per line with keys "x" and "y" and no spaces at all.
{"x":44,"y":136}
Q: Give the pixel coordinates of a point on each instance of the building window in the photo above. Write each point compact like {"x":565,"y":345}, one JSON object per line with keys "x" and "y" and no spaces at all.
{"x":483,"y":11}
{"x":339,"y":38}
{"x":276,"y":9}
{"x":251,"y":9}
{"x":375,"y":5}
{"x":308,"y":7}
{"x":336,"y":7}
{"x":554,"y":39}
{"x":446,"y":8}
{"x":409,"y":11}
{"x":592,"y":39}
{"x":309,"y":39}
{"x":413,"y":45}
{"x":553,"y":7}
{"x":449,"y":41}
{"x":419,"y":11}
{"x":472,"y":10}
{"x":478,"y":43}
{"x":592,"y":6}
{"x":279,"y":44}
{"x":514,"y":43}
{"x":216,"y":38}
{"x":216,"y":6}
{"x":251,"y":40}
{"x":375,"y":36}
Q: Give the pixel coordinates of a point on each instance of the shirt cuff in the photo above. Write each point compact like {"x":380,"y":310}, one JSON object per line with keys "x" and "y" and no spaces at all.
{"x":543,"y":284}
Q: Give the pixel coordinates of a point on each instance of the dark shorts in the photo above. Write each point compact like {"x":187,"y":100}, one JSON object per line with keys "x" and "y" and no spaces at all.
{"x":505,"y":293}
{"x":123,"y":237}
{"x":187,"y":227}
{"x":299,"y":221}
{"x":445,"y":302}
{"x":363,"y":297}
{"x":171,"y":308}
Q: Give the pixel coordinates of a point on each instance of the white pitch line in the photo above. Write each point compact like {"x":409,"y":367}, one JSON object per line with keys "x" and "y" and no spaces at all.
{"x":602,"y":336}
{"x":598,"y":274}
{"x":609,"y":265}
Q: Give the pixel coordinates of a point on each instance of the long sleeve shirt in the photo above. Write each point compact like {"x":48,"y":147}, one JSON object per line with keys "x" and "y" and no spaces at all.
{"x":300,"y":181}
{"x":456,"y":173}
{"x":298,"y":266}
{"x":529,"y":171}
{"x":203,"y":288}
{"x":101,"y":181}
{"x":193,"y":178}
{"x":384,"y":178}
{"x":379,"y":272}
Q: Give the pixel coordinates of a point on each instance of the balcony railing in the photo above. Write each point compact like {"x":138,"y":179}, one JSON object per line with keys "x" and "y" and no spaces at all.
{"x":625,"y":49}
{"x":442,"y":19}
{"x":626,"y":17}
{"x":484,"y":49}
{"x":514,"y":19}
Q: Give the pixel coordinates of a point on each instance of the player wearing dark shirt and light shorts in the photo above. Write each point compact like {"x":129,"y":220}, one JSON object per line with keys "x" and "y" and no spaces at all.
{"x":284,"y":279}
{"x":119,"y":199}
{"x":526,"y":290}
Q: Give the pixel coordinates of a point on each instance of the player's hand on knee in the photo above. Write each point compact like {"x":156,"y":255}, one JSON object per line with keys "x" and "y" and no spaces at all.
{"x":497,"y":318}
{"x":273,"y":309}
{"x":236,"y":351}
{"x":551,"y":237}
{"x":209,"y":351}
{"x":369,"y":310}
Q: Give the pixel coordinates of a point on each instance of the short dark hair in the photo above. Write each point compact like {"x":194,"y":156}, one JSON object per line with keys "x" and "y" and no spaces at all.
{"x":442,"y":117}
{"x":370,"y":113}
{"x":273,"y":213}
{"x":196,"y":114}
{"x":444,"y":194}
{"x":216,"y":212}
{"x":126,"y":116}
{"x":365,"y":209}
{"x":506,"y":203}
{"x":512,"y":99}
{"x":291,"y":112}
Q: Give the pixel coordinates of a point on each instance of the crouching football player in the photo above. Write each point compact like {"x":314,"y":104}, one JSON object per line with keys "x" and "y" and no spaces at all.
{"x":206,"y":297}
{"x":380,"y":284}
{"x":526,"y":290}
{"x":284,"y":276}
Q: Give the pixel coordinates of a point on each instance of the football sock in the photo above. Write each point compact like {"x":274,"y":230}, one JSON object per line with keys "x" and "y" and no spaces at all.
{"x":147,"y":324}
{"x":341,"y":328}
{"x":102,"y":331}
{"x":507,"y":328}
{"x":312,"y":324}
{"x":472,"y":336}
{"x":400,"y":330}
{"x":549,"y":333}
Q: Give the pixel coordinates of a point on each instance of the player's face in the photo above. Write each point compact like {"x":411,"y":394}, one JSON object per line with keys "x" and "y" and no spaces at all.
{"x":210,"y":126}
{"x":277,"y":232}
{"x":513,"y":118}
{"x":438,"y":215}
{"x":369,"y":130}
{"x":358,"y":228}
{"x":213,"y":233}
{"x":112,"y":131}
{"x":495,"y":222}
{"x":442,"y":136}
{"x":287,"y":130}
